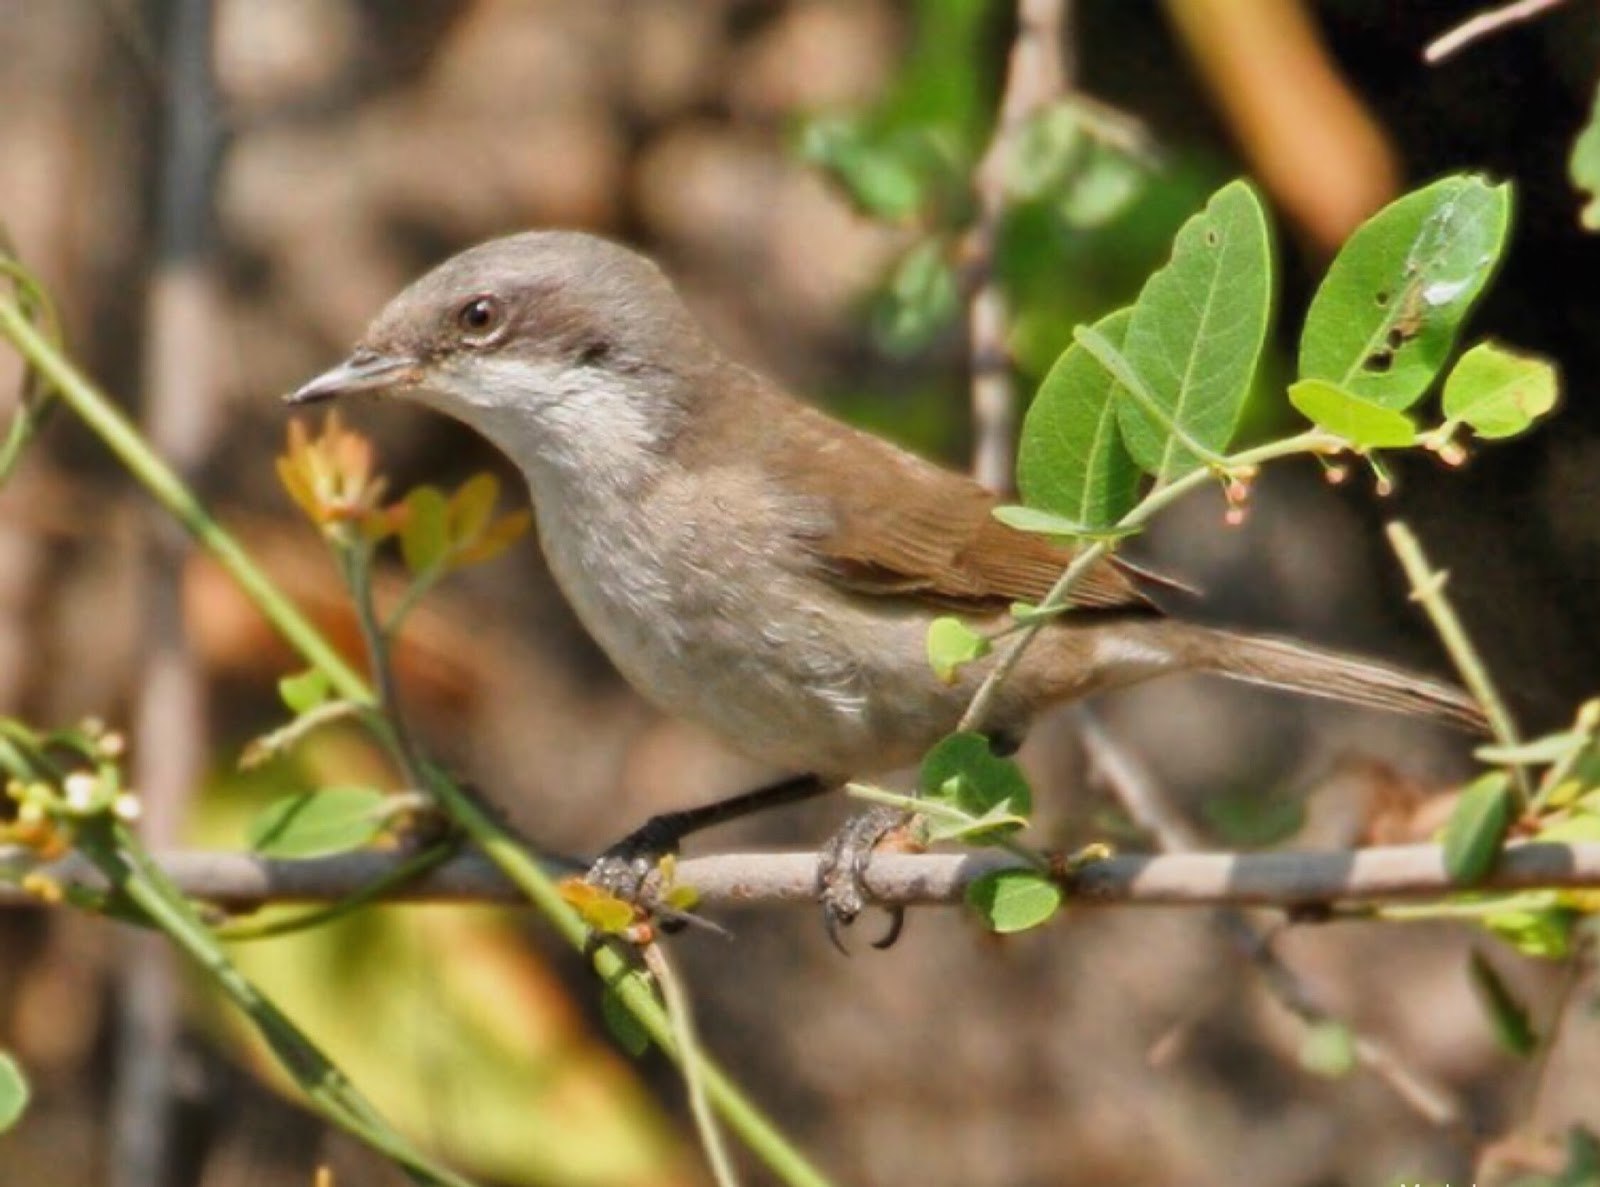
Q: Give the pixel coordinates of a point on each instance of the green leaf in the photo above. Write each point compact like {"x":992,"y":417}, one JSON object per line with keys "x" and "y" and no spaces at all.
{"x":425,"y":538}
{"x":883,"y":174}
{"x":1584,"y":166}
{"x":1385,"y":317}
{"x":1360,"y":422}
{"x":1071,"y":461}
{"x":1477,"y":828}
{"x":14,"y":1092}
{"x":471,"y":507}
{"x":1197,"y":331}
{"x":1249,"y":820}
{"x":964,"y":772}
{"x":1047,"y":523}
{"x":631,"y":1036}
{"x":1328,"y":1050}
{"x":317,"y":823}
{"x":1105,"y":184}
{"x":974,"y":830}
{"x":1014,"y":900}
{"x":921,"y":298}
{"x":304,"y":691}
{"x":1499,"y":392}
{"x":1536,"y":925}
{"x":1507,"y":1015}
{"x":1047,"y":150}
{"x":951,"y":644}
{"x":1551,"y":748}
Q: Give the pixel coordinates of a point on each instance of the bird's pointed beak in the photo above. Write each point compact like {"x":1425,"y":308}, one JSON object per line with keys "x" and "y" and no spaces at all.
{"x":364,"y":371}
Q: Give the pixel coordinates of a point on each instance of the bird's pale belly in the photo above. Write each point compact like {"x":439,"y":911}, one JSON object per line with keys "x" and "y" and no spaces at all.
{"x":797,"y":685}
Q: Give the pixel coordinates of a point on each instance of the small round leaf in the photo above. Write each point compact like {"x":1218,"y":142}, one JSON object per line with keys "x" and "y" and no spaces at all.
{"x":1014,"y":900}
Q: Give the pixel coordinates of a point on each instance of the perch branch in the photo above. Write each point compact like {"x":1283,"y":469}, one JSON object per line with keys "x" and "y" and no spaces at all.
{"x":1279,"y":880}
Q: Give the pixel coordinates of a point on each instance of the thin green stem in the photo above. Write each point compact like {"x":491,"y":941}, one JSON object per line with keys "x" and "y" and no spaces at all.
{"x":132,"y":873}
{"x":119,"y":435}
{"x":982,"y":703}
{"x":1427,"y":589}
{"x":1119,"y":368}
{"x":681,"y":1012}
{"x":415,"y":866}
{"x":741,"y":1115}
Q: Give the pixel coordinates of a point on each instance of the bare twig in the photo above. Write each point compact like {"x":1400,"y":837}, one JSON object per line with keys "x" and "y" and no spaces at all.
{"x":1484,"y":24}
{"x":1142,"y":796}
{"x":1285,"y":881}
{"x":1035,"y":77}
{"x":1427,"y":590}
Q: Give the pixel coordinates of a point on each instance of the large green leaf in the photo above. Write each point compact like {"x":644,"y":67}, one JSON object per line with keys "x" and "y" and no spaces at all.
{"x":1196,"y":333}
{"x":1071,"y":460}
{"x":1386,"y":316}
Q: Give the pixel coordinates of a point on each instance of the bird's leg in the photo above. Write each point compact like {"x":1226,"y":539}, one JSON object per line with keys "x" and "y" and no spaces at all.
{"x":626,"y":868}
{"x":842,"y":866}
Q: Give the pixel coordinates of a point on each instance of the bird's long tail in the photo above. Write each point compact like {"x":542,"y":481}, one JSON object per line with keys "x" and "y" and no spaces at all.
{"x":1130,"y":652}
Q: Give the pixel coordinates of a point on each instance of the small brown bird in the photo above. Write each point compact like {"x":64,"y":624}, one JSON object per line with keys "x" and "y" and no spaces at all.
{"x":754,"y":565}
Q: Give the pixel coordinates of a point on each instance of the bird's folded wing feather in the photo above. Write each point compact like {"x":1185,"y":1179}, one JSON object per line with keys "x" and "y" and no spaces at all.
{"x":896,"y":525}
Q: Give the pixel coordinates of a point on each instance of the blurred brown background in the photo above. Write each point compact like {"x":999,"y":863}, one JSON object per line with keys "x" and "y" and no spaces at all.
{"x":358,"y":143}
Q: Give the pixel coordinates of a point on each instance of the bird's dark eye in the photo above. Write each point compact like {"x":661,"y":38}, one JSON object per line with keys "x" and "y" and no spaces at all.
{"x":480,"y":317}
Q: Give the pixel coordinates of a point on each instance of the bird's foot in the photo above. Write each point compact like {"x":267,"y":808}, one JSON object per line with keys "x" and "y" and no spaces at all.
{"x":638,"y":872}
{"x":842,"y":868}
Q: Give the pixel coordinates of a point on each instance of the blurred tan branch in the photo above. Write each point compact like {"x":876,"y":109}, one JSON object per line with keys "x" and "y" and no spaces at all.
{"x":1281,"y":880}
{"x":1035,"y":77}
{"x":1139,"y":793}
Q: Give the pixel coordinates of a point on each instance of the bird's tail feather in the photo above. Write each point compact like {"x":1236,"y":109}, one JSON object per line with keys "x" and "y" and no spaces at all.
{"x":1313,"y":671}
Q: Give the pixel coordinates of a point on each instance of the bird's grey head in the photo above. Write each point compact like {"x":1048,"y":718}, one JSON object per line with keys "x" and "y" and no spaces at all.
{"x":562,"y":348}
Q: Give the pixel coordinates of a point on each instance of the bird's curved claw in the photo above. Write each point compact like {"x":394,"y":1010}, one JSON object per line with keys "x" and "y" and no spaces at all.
{"x":841,"y":871}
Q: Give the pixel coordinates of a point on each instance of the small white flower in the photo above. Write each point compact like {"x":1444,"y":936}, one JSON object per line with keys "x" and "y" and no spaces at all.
{"x":113,"y":744}
{"x":83,"y":792}
{"x":127,"y":807}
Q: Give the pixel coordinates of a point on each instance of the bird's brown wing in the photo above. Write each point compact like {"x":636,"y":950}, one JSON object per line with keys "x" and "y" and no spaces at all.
{"x":895,"y":525}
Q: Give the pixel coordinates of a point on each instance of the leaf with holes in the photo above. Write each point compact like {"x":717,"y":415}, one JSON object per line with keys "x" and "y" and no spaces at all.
{"x":1196,"y":334}
{"x":1385,"y":317}
{"x":1477,"y":828}
{"x":318,"y":823}
{"x":1014,"y":900}
{"x":1361,"y":422}
{"x":14,"y":1092}
{"x":1499,"y":392}
{"x":1071,"y":461}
